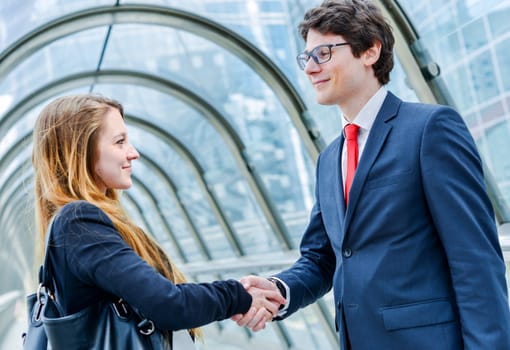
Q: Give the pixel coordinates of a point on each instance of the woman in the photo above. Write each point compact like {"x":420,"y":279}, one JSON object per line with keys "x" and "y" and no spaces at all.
{"x":82,"y":157}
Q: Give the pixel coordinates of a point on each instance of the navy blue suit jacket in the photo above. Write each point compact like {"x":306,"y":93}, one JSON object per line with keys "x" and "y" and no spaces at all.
{"x":414,"y":259}
{"x":92,"y":263}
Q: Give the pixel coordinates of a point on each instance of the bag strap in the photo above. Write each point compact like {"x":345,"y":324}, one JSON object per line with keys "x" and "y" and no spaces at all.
{"x":45,"y":271}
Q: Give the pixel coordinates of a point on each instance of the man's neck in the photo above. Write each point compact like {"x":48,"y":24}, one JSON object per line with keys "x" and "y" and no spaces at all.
{"x":351,"y":107}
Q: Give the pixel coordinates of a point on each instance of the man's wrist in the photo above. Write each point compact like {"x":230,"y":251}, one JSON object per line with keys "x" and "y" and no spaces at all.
{"x":283,"y":291}
{"x":280,"y":287}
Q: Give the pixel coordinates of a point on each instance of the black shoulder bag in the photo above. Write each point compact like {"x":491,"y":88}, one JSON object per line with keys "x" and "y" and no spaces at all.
{"x":103,"y":326}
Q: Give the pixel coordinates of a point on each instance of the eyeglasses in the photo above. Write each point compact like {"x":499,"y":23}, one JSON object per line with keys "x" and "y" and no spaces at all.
{"x":320,"y":54}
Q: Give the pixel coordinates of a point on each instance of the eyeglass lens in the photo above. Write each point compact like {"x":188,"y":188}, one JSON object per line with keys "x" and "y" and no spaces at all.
{"x":319,"y":54}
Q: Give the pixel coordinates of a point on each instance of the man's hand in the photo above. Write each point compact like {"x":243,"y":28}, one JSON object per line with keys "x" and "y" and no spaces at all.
{"x":265,"y":304}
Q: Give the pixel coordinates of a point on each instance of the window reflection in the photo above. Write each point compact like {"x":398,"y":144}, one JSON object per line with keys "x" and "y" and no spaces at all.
{"x":471,"y":42}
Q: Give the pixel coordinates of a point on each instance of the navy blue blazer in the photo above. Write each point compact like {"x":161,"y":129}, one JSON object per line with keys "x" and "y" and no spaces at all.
{"x":92,"y":262}
{"x":414,"y":259}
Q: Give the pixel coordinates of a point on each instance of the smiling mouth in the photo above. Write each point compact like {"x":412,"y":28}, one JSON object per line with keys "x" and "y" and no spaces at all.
{"x":320,"y":82}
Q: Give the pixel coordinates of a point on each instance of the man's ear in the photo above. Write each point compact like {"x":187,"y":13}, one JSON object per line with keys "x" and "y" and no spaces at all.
{"x":372,"y":54}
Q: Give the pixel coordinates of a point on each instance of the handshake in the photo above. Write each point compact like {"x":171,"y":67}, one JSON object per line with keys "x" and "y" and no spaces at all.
{"x":266,"y":301}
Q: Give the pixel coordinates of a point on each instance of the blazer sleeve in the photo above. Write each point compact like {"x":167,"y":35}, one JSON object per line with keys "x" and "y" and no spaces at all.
{"x":462,"y":213}
{"x":311,"y":276}
{"x":98,"y":256}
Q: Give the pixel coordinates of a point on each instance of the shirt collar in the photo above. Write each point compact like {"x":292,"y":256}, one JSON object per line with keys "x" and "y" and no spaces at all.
{"x":366,"y":116}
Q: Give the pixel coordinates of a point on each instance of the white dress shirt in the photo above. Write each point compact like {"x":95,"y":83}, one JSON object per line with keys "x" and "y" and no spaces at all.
{"x":365,"y":119}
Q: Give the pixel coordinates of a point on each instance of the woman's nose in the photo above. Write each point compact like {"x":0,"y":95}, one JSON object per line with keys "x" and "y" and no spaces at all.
{"x":133,"y":153}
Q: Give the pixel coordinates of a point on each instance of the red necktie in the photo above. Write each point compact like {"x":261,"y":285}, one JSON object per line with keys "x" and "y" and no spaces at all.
{"x":351,"y":136}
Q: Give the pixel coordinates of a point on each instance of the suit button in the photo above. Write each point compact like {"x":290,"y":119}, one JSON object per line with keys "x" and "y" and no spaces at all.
{"x":347,"y":252}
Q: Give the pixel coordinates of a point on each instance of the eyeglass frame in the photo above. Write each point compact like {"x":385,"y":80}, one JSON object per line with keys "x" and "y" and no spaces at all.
{"x":303,"y":58}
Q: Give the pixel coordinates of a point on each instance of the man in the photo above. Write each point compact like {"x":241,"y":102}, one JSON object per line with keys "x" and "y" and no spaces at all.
{"x":411,"y":249}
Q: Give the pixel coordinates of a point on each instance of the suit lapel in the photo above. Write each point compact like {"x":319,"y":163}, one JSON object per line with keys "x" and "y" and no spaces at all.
{"x":339,"y":191}
{"x":375,"y":141}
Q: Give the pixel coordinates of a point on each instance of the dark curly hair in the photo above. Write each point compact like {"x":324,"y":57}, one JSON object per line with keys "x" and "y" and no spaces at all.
{"x":359,"y":22}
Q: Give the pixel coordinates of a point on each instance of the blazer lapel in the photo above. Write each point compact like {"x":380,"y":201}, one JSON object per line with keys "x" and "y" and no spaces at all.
{"x":375,"y":141}
{"x":339,"y":191}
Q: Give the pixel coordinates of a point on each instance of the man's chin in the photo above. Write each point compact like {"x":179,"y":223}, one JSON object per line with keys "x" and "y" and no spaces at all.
{"x":324,"y":101}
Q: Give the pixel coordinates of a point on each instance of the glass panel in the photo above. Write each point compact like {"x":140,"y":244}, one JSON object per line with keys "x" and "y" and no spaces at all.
{"x":498,"y":20}
{"x":496,"y":142}
{"x":474,"y":35}
{"x":18,"y":168}
{"x":20,"y":17}
{"x":185,"y":180}
{"x":253,"y":19}
{"x":483,"y":78}
{"x":72,"y":54}
{"x":502,"y":56}
{"x":460,"y":86}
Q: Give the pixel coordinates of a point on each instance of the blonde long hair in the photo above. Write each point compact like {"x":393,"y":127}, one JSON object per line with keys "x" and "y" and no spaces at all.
{"x":65,"y":137}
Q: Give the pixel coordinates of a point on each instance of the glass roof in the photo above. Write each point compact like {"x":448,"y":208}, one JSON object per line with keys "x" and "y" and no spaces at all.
{"x":226,"y":125}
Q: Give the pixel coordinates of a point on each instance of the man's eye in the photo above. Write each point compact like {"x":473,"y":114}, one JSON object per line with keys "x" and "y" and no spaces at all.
{"x":121,"y":141}
{"x":322,"y":52}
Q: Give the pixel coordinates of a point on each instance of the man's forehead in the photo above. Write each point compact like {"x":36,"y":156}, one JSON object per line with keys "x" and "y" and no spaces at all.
{"x":314,"y":38}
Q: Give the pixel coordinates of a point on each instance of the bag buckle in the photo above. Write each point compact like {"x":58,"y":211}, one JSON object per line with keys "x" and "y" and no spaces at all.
{"x":146,"y":327}
{"x":122,"y":309}
{"x":40,"y":303}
